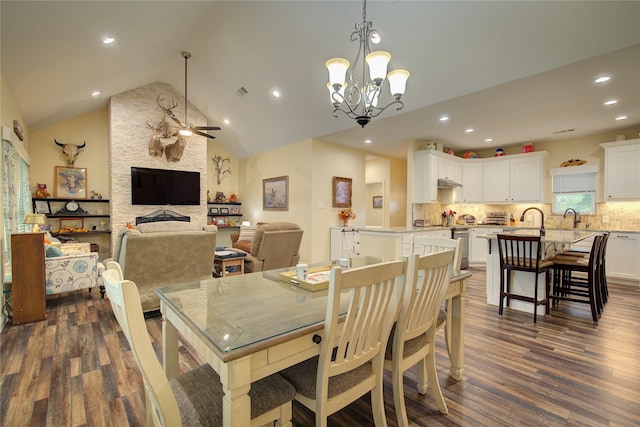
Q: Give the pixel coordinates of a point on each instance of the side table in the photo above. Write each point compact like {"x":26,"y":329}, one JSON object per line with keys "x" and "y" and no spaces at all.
{"x":228,"y":263}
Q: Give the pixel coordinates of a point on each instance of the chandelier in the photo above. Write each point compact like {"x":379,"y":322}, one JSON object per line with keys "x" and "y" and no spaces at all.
{"x":358,"y":95}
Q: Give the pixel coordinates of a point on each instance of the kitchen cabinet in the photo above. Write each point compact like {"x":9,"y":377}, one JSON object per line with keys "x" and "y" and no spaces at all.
{"x":426,"y":177}
{"x":495,"y":181}
{"x":345,"y":242}
{"x":513,"y":180}
{"x":446,"y":168}
{"x":478,"y":247}
{"x":472,"y":182}
{"x":622,"y":255}
{"x":621,"y":171}
{"x":458,"y":176}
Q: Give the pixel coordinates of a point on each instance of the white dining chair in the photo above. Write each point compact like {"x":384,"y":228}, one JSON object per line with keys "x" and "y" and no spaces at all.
{"x":424,"y":245}
{"x":412,"y":342}
{"x":352,"y":349}
{"x":195,"y":397}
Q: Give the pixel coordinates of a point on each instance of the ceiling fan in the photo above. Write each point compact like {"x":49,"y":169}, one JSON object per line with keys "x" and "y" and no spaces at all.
{"x":186,"y":129}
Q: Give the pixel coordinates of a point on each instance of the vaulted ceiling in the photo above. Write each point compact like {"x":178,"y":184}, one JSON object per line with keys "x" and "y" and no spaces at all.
{"x":514,"y":71}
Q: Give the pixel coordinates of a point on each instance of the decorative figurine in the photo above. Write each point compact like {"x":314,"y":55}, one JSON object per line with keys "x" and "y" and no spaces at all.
{"x":41,"y":191}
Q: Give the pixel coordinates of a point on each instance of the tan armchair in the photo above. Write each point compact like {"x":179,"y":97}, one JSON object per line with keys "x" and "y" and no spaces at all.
{"x":274,"y":245}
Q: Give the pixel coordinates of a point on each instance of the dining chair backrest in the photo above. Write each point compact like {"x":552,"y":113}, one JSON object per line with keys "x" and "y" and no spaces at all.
{"x":125,"y":300}
{"x":424,"y":245}
{"x":428,"y":277}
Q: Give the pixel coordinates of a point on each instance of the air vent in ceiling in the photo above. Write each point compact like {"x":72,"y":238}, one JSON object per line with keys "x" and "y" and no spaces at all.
{"x":242,"y":92}
{"x":563,"y":131}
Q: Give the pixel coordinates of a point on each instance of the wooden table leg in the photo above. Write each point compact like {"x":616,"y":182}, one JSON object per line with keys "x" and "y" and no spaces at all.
{"x":169,"y":346}
{"x":236,"y":383}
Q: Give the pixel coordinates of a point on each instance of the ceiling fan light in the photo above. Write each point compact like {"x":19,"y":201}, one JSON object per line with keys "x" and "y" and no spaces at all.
{"x":337,"y":71}
{"x":398,"y":82}
{"x":185,"y":132}
{"x":378,"y":62}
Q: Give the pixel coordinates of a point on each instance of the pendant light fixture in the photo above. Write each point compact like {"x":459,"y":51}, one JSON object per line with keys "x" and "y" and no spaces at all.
{"x":357,"y":96}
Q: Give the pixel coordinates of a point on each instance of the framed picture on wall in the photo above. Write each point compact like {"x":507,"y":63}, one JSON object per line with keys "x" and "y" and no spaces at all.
{"x":377,"y":202}
{"x":70,"y":183}
{"x":341,"y":192}
{"x":224,"y":211}
{"x":41,"y":207}
{"x":275,"y":194}
{"x":213,"y":211}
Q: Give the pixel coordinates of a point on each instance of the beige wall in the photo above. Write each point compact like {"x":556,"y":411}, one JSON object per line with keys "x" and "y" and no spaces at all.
{"x":310,"y":166}
{"x":91,"y":128}
{"x":9,"y":110}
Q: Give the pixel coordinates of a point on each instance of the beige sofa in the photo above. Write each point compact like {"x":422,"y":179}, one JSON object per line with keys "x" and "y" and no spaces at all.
{"x":163,"y":253}
{"x":273,"y":245}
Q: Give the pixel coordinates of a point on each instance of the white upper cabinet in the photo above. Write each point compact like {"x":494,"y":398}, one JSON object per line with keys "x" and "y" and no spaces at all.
{"x":426,"y":177}
{"x":514,"y":179}
{"x":472,"y":182}
{"x":495,"y":181}
{"x":621,"y":170}
{"x":509,"y":179}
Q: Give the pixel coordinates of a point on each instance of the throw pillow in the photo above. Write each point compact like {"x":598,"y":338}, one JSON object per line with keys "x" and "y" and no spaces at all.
{"x":52,"y":251}
{"x":246,"y":234}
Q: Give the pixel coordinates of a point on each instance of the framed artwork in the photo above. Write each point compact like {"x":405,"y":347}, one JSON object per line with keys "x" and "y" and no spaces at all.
{"x":341,"y":192}
{"x":275,"y":194}
{"x":377,"y":202}
{"x":213,"y":211}
{"x":234,"y":210}
{"x":224,"y":211}
{"x":70,"y":183}
{"x":418,"y":223}
{"x":41,"y":207}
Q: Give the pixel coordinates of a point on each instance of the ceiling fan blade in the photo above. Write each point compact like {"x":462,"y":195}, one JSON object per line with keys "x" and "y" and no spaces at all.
{"x":206,"y":128}
{"x":197,"y":132}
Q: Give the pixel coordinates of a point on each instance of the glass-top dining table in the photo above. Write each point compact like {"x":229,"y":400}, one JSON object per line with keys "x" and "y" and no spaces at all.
{"x":250,"y":326}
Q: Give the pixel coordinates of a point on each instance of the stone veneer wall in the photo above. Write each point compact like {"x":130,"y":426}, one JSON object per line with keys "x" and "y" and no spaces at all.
{"x":128,"y":146}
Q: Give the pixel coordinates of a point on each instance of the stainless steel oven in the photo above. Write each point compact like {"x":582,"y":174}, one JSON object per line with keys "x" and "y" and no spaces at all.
{"x":462,"y":232}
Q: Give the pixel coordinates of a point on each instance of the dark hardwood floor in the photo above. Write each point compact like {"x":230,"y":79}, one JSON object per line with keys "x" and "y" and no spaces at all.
{"x":76,"y":369}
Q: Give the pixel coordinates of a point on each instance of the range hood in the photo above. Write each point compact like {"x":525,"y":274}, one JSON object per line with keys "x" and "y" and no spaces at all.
{"x":447,"y":183}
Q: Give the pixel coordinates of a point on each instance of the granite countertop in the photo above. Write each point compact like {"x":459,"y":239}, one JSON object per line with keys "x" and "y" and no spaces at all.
{"x":552,"y":236}
{"x":504,"y":227}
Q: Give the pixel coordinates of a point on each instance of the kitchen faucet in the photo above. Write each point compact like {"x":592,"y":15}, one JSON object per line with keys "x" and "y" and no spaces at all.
{"x":576,"y":220}
{"x":542,"y":232}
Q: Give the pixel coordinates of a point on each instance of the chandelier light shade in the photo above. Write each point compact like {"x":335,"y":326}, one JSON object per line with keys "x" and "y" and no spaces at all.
{"x":356,"y":91}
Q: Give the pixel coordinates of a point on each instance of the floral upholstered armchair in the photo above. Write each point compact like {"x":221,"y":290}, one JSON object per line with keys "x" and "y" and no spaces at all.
{"x":73,"y":272}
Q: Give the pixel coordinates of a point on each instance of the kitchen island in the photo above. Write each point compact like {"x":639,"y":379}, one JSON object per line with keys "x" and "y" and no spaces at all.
{"x":554,"y":242}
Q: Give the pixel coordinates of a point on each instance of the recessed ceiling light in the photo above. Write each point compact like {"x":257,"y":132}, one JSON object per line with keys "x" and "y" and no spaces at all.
{"x":276,"y":93}
{"x":468,"y":130}
{"x":108,"y":40}
{"x":488,"y":140}
{"x":611,"y":102}
{"x":367,"y":141}
{"x":444,"y":118}
{"x":95,"y":93}
{"x":602,"y":79}
{"x":226,"y":122}
{"x":621,"y":117}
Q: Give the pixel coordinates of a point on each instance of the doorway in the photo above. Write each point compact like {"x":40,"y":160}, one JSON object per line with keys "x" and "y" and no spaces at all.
{"x":376,"y":204}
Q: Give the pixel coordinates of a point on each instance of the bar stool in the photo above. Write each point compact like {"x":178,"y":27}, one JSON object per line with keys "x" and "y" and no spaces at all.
{"x":522,"y":253}
{"x":589,"y":290}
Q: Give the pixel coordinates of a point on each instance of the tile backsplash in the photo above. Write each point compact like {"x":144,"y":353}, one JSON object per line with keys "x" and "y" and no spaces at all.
{"x":622,"y":216}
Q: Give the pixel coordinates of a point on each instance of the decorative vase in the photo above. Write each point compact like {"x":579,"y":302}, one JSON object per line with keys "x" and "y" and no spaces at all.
{"x":345,"y":222}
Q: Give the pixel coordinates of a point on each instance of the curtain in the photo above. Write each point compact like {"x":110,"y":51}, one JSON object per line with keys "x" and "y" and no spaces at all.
{"x":16,"y":193}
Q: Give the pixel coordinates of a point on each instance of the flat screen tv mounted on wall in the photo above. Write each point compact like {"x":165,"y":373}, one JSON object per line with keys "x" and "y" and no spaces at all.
{"x":164,"y":187}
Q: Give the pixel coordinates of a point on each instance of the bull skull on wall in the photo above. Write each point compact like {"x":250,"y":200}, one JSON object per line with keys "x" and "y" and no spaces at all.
{"x":70,"y":151}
